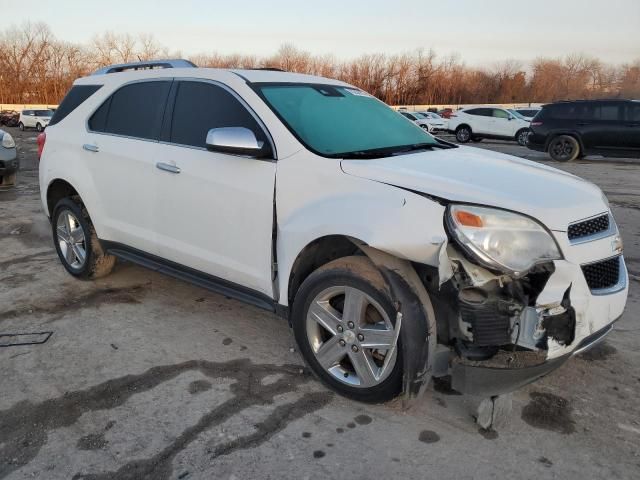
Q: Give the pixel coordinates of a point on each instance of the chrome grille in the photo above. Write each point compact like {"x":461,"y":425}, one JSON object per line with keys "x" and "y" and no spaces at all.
{"x":589,"y":227}
{"x":603,"y":274}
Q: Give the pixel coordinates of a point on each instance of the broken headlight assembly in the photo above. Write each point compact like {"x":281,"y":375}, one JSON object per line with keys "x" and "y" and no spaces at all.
{"x":501,"y":240}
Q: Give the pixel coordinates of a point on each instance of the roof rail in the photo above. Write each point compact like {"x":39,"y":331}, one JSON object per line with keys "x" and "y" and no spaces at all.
{"x":151,"y":64}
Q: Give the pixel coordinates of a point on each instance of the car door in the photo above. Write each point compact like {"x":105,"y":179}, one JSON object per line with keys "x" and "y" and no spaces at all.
{"x":502,"y":124}
{"x":602,"y":125}
{"x":213,"y":212}
{"x":121,"y":147}
{"x":29,"y":119}
{"x":481,"y":121}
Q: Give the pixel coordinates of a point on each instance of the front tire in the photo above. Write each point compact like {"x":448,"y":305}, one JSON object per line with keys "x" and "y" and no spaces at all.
{"x":463,"y":134}
{"x":76,"y":241}
{"x":343,"y":321}
{"x":21,"y":126}
{"x":564,"y":148}
{"x":38,"y":127}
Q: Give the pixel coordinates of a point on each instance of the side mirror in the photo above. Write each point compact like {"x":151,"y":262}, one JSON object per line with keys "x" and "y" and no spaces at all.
{"x":235,"y":140}
{"x":511,"y":117}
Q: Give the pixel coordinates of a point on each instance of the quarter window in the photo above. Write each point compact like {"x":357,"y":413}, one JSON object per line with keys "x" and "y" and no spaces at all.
{"x":134,"y":110}
{"x":200,"y":107}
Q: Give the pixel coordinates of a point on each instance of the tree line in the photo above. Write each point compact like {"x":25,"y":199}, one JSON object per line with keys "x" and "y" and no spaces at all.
{"x":38,"y":68}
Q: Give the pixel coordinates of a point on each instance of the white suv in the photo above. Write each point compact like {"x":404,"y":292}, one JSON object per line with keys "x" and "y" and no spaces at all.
{"x":395,"y":256}
{"x":38,"y":119}
{"x":477,"y":123}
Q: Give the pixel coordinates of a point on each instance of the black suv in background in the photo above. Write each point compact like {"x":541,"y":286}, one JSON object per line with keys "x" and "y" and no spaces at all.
{"x":572,"y":129}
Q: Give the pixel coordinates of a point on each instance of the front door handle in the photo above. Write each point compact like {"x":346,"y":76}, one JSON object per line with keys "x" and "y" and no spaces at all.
{"x":167,"y":167}
{"x":91,"y":148}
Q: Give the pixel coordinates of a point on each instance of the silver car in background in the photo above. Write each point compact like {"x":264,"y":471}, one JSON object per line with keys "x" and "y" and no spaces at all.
{"x":8,"y":160}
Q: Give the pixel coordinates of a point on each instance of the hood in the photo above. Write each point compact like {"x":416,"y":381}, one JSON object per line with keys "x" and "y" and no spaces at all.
{"x":474,"y":175}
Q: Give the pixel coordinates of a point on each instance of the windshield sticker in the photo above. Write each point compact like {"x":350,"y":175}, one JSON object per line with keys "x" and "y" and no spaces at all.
{"x":357,"y":92}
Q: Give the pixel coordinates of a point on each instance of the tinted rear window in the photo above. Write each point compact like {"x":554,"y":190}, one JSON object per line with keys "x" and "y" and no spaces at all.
{"x":134,"y":110}
{"x":74,"y":98}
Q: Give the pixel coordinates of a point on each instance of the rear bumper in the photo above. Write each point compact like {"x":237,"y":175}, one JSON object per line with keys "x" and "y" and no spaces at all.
{"x":489,"y":381}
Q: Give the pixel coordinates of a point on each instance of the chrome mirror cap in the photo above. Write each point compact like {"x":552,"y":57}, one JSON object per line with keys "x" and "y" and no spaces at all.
{"x":235,"y":140}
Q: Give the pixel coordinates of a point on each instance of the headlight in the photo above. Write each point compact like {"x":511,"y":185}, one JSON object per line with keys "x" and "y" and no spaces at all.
{"x":501,"y":240}
{"x":7,"y":141}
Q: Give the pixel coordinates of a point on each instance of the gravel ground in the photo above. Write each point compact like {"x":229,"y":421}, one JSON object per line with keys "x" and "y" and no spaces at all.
{"x":147,"y":377}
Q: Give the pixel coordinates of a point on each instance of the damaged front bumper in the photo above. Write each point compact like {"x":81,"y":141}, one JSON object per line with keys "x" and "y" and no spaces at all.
{"x":532,"y":331}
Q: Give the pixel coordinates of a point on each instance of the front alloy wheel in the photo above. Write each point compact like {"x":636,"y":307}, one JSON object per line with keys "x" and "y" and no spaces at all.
{"x":344,"y":323}
{"x":351,"y":336}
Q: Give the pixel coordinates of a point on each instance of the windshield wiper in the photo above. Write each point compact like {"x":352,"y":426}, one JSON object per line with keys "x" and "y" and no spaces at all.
{"x":387,"y":151}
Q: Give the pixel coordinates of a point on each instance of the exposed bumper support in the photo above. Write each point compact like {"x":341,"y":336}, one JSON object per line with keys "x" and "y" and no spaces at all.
{"x":489,"y":381}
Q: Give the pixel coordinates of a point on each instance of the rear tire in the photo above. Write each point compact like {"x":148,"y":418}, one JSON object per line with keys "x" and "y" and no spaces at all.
{"x":76,"y":241}
{"x":333,"y":339}
{"x":38,"y":127}
{"x":463,"y":134}
{"x":522,"y":136}
{"x":21,"y":126}
{"x":564,"y":148}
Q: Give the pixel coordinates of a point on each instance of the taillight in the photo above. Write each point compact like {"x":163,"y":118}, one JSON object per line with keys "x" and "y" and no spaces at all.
{"x":41,"y":139}
{"x":536,"y":124}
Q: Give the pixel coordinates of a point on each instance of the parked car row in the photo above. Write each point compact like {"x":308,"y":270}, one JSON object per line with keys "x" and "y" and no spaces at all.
{"x":9,"y":118}
{"x":431,"y":122}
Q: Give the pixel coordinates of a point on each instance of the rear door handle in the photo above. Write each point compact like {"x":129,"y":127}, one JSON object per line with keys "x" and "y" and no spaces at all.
{"x":91,"y":148}
{"x":167,"y":167}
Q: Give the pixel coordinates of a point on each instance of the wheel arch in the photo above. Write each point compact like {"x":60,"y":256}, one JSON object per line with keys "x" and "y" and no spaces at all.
{"x":56,"y":191}
{"x":464,"y":125}
{"x":317,"y":253}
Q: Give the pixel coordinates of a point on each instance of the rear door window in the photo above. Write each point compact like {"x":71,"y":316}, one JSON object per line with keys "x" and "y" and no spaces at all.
{"x":201,"y":106}
{"x":606,"y":112}
{"x":135,"y":110}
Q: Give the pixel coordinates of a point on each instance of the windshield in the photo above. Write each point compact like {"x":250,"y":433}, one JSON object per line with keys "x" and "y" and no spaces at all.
{"x":340,"y":121}
{"x":44,"y":113}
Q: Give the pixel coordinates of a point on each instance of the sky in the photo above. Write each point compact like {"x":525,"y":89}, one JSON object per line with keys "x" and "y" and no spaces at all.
{"x":479,"y":31}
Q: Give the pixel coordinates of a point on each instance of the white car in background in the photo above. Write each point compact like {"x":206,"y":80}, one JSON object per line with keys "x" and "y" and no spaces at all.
{"x":476,"y":123}
{"x":418,"y":119}
{"x":37,"y":119}
{"x":438,"y":123}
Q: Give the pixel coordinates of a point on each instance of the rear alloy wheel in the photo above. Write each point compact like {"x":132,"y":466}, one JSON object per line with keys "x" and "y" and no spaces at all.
{"x":76,"y":241}
{"x":38,"y":127}
{"x":564,"y":148}
{"x":463,"y":134}
{"x":344,"y":325}
{"x":522,"y":137}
